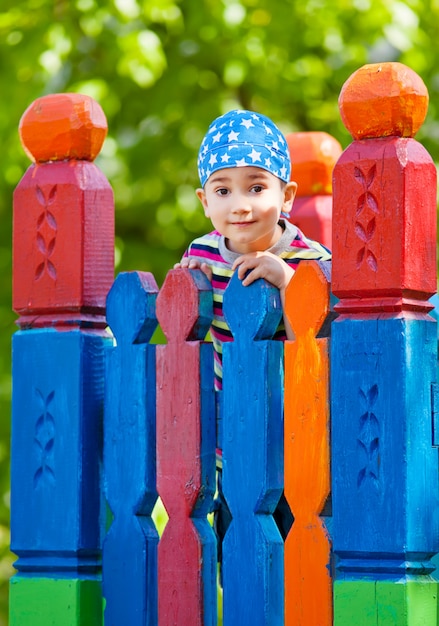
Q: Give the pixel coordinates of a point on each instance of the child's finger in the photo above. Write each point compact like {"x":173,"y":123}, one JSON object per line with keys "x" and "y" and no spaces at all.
{"x":241,"y":261}
{"x":243,"y":268}
{"x":251,"y":275}
{"x":207,"y":270}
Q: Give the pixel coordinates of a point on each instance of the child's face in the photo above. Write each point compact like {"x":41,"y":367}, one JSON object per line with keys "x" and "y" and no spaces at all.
{"x":244,"y":204}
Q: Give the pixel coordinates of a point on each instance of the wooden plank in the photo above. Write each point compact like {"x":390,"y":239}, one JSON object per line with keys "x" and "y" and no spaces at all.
{"x":186,"y":451}
{"x":130,"y":547}
{"x":308,"y":584}
{"x":252,"y":455}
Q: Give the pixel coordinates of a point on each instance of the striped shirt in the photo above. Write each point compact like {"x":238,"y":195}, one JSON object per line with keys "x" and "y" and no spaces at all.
{"x":211,"y":248}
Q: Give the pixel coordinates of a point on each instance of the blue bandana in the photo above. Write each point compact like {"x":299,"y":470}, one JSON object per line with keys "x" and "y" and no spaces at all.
{"x":240,"y":139}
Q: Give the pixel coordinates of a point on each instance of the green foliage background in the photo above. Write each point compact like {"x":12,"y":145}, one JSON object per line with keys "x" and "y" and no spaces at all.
{"x":162,"y":70}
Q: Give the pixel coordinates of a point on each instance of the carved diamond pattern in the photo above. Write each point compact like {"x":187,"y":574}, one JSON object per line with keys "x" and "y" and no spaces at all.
{"x":46,"y":234}
{"x":369,"y":438}
{"x":45,"y":440}
{"x":365,"y":225}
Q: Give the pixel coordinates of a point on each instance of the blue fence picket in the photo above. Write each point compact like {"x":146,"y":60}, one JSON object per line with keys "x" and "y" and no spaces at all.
{"x":130,"y":547}
{"x":252,"y":455}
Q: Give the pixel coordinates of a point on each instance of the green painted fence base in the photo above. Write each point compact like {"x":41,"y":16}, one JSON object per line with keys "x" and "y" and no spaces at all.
{"x":55,"y":602}
{"x":411,"y":602}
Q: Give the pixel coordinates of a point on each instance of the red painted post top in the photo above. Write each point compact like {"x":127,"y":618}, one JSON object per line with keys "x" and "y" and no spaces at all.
{"x":63,"y":126}
{"x":63,"y":226}
{"x":313,"y":156}
{"x":383,"y":99}
{"x":384,"y":196}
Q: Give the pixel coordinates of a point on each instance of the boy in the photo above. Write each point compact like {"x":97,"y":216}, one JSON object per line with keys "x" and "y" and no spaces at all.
{"x":244,"y":168}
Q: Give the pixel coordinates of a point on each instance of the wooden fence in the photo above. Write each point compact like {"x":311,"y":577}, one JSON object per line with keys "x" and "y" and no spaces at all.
{"x":104,"y":423}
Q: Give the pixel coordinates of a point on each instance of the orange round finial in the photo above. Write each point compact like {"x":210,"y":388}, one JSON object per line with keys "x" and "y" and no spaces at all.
{"x":313,"y":156}
{"x":383,"y":99}
{"x":63,"y":126}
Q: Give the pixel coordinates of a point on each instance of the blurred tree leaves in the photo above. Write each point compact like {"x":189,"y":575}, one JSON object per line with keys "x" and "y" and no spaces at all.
{"x":162,"y":70}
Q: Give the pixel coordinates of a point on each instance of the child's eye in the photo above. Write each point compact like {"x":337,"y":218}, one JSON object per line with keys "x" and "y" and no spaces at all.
{"x":257,"y":188}
{"x":222,"y":191}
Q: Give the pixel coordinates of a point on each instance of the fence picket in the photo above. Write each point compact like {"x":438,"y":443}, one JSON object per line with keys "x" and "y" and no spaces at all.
{"x":308,"y":584}
{"x":130,"y":546}
{"x":186,"y":451}
{"x":252,"y":455}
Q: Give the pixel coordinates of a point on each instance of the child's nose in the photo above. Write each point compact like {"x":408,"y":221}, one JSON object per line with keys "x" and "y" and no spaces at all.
{"x":241,"y":204}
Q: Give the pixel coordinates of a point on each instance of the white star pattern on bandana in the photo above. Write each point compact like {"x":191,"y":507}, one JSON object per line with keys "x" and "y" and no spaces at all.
{"x":247,"y":123}
{"x":241,"y":163}
{"x":255,"y":155}
{"x":240,"y":139}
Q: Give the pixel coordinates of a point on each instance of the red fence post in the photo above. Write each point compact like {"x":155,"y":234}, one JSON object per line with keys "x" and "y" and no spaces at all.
{"x":313,"y":156}
{"x":63,"y":245}
{"x":63,"y":258}
{"x":384,"y":356}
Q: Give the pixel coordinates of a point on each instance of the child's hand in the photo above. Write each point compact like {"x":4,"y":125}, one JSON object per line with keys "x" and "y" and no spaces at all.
{"x":272,"y":268}
{"x":194,"y":264}
{"x":263,"y":265}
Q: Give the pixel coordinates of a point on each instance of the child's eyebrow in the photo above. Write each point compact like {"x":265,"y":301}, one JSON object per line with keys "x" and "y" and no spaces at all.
{"x":219,"y":179}
{"x":258,"y":175}
{"x":226,"y":179}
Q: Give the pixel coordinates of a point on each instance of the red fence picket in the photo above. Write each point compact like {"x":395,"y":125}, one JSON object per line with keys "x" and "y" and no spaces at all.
{"x":186,"y":451}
